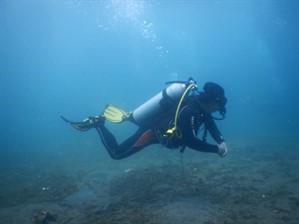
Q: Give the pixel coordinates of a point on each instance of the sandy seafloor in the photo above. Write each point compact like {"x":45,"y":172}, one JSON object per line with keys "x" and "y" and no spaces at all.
{"x":255,"y":183}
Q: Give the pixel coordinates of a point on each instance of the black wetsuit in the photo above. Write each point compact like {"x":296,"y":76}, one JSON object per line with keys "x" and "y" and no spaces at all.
{"x":191,"y":118}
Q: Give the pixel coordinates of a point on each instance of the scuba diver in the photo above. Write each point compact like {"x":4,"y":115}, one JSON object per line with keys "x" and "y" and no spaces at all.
{"x":172,"y":118}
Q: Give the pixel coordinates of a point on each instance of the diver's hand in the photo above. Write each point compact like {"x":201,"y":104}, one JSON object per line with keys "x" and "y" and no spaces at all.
{"x":222,"y":149}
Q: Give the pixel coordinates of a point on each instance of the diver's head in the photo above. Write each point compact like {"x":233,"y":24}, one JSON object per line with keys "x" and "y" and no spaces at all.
{"x":212,"y":98}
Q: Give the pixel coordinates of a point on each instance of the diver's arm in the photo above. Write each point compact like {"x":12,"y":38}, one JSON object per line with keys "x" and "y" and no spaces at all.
{"x":189,"y":124}
{"x":202,"y":146}
{"x":213,"y":130}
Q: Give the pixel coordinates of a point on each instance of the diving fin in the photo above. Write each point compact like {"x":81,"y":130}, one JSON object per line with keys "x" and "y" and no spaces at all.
{"x":86,"y":124}
{"x":115,"y":114}
{"x":111,"y":113}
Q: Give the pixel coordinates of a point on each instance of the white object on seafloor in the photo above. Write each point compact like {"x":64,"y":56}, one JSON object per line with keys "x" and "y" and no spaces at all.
{"x":45,"y":188}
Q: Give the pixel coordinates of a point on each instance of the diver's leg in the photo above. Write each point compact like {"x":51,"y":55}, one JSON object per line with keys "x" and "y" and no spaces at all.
{"x":133,"y":144}
{"x":142,"y":138}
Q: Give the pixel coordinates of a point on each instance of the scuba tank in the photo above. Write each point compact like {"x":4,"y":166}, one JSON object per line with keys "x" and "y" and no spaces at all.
{"x":162,"y":103}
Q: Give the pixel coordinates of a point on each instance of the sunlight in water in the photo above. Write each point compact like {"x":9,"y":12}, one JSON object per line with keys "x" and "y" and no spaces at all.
{"x":130,"y":13}
{"x":123,"y":17}
{"x":128,"y":10}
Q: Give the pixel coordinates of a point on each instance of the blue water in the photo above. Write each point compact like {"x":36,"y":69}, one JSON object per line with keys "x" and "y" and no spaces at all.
{"x":74,"y":57}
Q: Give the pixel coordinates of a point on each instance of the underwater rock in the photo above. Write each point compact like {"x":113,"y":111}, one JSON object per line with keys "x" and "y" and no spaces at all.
{"x":43,"y":216}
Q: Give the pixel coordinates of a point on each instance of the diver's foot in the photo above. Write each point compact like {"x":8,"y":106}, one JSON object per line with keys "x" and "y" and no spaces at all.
{"x":93,"y":121}
{"x":88,"y":123}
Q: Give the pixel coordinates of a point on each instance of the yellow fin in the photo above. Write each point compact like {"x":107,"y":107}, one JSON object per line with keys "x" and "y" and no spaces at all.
{"x":115,"y":114}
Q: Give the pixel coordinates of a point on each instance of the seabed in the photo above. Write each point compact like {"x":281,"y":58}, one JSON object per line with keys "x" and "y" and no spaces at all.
{"x":253,"y":184}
